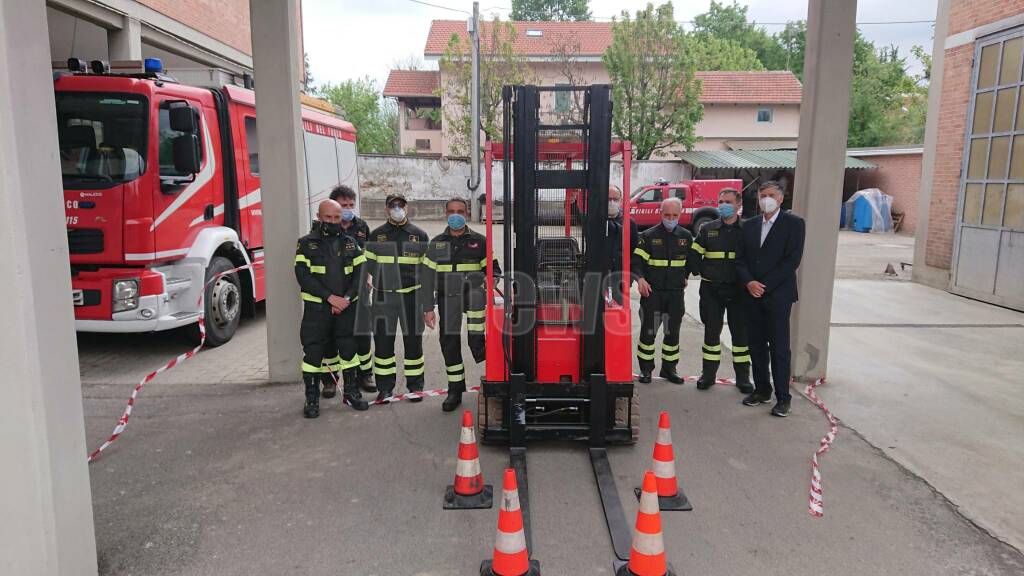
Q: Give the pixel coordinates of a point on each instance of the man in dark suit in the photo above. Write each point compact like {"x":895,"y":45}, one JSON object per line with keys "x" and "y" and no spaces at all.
{"x":773,"y":244}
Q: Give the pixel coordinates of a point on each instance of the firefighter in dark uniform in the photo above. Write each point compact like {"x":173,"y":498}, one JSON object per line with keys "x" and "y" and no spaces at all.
{"x":714,"y":259}
{"x":394,"y":260}
{"x":614,"y":228}
{"x":327,"y":266}
{"x":357,"y":228}
{"x":659,"y":261}
{"x":458,"y":256}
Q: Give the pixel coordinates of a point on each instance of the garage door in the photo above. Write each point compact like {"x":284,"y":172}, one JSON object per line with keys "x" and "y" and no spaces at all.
{"x":989,"y":254}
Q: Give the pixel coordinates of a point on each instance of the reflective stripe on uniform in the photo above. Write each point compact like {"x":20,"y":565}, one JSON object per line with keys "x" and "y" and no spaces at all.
{"x":414,"y":366}
{"x":456,"y":373}
{"x":408,"y":290}
{"x":643,"y":346}
{"x":310,"y":369}
{"x":743,"y":359}
{"x":350,"y":363}
{"x":475,"y":313}
{"x":365,"y":361}
{"x":644,"y":355}
{"x":670,"y":357}
{"x":658,"y":263}
{"x":444,"y":268}
{"x":698,"y":248}
{"x":720,"y":255}
{"x":679,"y":263}
{"x":642,"y":253}
{"x":318,"y":269}
{"x":301,"y":259}
{"x":475,"y":326}
{"x":668,"y":347}
{"x":310,"y":298}
{"x":712,"y":353}
{"x":369,"y":255}
{"x":429,"y":263}
{"x":474,"y":267}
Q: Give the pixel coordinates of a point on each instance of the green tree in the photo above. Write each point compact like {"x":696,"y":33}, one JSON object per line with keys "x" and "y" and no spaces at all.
{"x":657,"y":97}
{"x":545,"y":10}
{"x":729,"y":22}
{"x":307,"y":76}
{"x":711,"y":53}
{"x":499,"y":65}
{"x":376,"y":119}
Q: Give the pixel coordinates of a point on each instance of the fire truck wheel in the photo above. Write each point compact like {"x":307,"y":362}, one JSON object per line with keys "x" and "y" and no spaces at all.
{"x":488,"y":414}
{"x":700,"y":224}
{"x":629,"y":408}
{"x":222,"y":304}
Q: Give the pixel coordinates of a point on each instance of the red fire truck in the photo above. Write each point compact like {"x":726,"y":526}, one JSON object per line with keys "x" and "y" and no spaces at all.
{"x":162,"y":192}
{"x":699,"y":197}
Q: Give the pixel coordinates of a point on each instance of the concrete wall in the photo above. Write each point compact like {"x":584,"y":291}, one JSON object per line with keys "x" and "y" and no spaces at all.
{"x":429,"y":182}
{"x":900,"y":177}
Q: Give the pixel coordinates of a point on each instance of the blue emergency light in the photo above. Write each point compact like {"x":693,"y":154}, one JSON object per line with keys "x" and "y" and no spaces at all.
{"x":153,"y":66}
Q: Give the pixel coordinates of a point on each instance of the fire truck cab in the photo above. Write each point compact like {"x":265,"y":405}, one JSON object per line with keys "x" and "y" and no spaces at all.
{"x":699,"y":198}
{"x":162,"y":192}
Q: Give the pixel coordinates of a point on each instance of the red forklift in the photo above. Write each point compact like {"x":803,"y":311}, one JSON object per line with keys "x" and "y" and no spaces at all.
{"x":559,"y":338}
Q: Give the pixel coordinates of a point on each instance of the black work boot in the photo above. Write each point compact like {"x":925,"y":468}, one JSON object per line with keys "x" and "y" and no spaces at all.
{"x":330,"y":384}
{"x":414,"y":399}
{"x":645,"y":377}
{"x":709,"y":371}
{"x":352,"y":396}
{"x":312,"y":407}
{"x":452,"y":400}
{"x":743,"y":383}
{"x":668,"y":372}
{"x":366,"y":382}
{"x":383,"y":395}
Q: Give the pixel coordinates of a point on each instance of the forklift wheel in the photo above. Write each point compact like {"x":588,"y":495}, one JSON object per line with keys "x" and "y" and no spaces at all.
{"x":629,"y":408}
{"x":489,"y":417}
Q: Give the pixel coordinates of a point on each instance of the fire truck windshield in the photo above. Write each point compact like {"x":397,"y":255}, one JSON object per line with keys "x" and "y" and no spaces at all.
{"x":102,"y":137}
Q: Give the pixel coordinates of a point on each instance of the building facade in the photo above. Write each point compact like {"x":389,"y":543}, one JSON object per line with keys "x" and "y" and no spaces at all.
{"x":191,"y":37}
{"x":971,"y":234}
{"x":741,"y":109}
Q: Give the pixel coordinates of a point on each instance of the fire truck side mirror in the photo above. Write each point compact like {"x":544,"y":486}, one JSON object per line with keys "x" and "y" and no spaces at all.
{"x":186,"y":154}
{"x":182,"y":117}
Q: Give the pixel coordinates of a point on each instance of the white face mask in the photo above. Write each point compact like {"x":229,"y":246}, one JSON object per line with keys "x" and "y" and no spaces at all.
{"x":768,"y":204}
{"x":613,"y":208}
{"x":397,"y":213}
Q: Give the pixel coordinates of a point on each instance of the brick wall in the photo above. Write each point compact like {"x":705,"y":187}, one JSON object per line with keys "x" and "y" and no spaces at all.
{"x":956,"y":85}
{"x":900,"y":177}
{"x":224,"y":20}
{"x":969,"y":14}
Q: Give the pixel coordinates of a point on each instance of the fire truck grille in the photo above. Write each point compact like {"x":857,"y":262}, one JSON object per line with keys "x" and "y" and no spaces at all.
{"x":85,"y":241}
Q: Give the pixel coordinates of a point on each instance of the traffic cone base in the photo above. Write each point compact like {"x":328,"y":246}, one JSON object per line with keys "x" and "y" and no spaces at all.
{"x":481,"y":500}
{"x":486,"y":570}
{"x":670,"y":503}
{"x":621,"y":568}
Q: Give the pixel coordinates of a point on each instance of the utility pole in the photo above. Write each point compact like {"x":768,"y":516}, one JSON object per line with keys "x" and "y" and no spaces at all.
{"x":474,"y":106}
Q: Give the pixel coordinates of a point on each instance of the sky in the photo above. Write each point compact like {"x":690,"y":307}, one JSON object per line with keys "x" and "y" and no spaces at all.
{"x":355,"y":38}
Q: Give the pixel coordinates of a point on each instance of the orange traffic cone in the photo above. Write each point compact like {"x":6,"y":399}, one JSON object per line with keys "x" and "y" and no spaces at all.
{"x":670,"y":496}
{"x":511,"y":558}
{"x":647,"y":554}
{"x":469,"y":490}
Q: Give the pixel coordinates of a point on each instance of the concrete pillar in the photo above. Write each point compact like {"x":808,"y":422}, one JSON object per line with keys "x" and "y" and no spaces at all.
{"x":821,"y":161}
{"x":923,"y":273}
{"x":125,"y":43}
{"x":282,"y":174}
{"x":47,"y":525}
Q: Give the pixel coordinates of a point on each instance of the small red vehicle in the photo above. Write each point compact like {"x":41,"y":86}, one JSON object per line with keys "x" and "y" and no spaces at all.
{"x":700,"y":201}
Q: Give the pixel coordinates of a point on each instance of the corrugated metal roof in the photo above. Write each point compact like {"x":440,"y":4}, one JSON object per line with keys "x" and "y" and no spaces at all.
{"x":755,"y":159}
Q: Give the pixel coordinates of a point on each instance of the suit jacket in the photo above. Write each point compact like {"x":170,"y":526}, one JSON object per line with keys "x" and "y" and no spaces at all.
{"x":775,"y":263}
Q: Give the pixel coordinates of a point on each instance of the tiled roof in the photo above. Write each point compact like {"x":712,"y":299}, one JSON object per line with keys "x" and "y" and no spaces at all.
{"x":750,"y":88}
{"x":412,"y":83}
{"x":593,"y":37}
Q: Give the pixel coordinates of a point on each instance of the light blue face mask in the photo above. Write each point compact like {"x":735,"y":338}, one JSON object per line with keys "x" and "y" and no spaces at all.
{"x":456,"y":221}
{"x":348,"y":214}
{"x":727,"y":210}
{"x":669,"y":225}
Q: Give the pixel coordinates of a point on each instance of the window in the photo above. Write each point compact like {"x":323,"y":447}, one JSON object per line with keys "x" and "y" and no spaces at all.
{"x":252,"y":144}
{"x":994,"y":163}
{"x":166,"y":144}
{"x":423,"y":143}
{"x":102,"y":137}
{"x":678,"y":193}
{"x":652,"y":195}
{"x":562,"y":101}
{"x":764,"y":115}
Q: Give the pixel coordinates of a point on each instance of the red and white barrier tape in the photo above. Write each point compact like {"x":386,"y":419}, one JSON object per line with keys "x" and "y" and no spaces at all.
{"x":122,"y":422}
{"x":816,"y":507}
